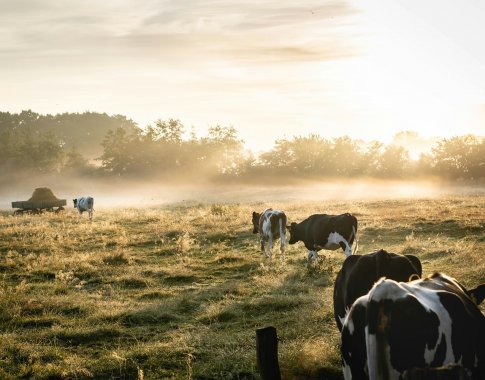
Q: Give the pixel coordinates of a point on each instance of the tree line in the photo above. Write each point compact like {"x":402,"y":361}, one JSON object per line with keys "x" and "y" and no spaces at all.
{"x":94,"y":144}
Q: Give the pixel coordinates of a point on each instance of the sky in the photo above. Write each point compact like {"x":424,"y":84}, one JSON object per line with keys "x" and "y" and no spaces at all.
{"x":270,"y":69}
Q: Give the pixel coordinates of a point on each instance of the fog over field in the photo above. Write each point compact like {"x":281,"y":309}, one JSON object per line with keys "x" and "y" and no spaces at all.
{"x":142,"y":194}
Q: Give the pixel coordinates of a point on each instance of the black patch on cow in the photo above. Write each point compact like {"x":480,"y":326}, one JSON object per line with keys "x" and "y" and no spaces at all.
{"x":352,"y":347}
{"x":255,"y":221}
{"x":315,"y":229}
{"x":467,"y":327}
{"x":440,"y":354}
{"x":410,"y":329}
{"x":360,"y":272}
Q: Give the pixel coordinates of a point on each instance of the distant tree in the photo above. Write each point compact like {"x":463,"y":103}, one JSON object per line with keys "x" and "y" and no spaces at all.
{"x":83,"y":130}
{"x":371,"y":158}
{"x":116,"y":157}
{"x":347,"y":157}
{"x":75,"y":162}
{"x":459,"y":157}
{"x":170,"y":131}
{"x":280,"y":159}
{"x":227,"y":147}
{"x":393,"y":162}
{"x":41,"y":153}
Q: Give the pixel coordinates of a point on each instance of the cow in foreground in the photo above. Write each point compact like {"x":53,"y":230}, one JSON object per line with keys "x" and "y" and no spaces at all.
{"x":84,"y":204}
{"x":322,"y":231}
{"x":271,"y":225}
{"x":398,"y":326}
{"x":360,"y":272}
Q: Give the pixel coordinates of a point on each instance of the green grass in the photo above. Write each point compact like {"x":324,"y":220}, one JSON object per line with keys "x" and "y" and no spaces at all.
{"x":178,"y":292}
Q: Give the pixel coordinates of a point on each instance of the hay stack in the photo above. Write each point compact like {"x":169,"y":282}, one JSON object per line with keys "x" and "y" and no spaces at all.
{"x":43,"y":194}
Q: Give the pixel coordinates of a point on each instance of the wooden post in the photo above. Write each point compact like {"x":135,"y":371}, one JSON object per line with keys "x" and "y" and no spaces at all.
{"x":267,"y":353}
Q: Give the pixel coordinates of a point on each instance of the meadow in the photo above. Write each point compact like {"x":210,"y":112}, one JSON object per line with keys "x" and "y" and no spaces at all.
{"x":177,"y":291}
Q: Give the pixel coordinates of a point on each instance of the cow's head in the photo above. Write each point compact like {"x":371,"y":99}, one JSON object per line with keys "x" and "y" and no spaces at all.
{"x":256,"y":217}
{"x":477,"y":294}
{"x":75,"y":202}
{"x":294,"y":235}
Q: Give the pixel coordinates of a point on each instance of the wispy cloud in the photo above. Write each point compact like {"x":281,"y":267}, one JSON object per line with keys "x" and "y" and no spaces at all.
{"x":187,"y":30}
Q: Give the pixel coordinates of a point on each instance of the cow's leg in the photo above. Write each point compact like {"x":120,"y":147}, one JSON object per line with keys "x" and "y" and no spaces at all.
{"x":261,"y":240}
{"x":270,"y":245}
{"x":282,"y":224}
{"x":282,"y":249}
{"x":311,"y":255}
{"x":346,"y":247}
{"x":90,"y":213}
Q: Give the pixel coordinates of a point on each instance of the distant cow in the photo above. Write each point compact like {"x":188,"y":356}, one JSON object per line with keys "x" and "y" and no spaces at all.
{"x":397,"y":326}
{"x":322,"y":231}
{"x":84,"y":204}
{"x":271,"y":225}
{"x":360,"y":272}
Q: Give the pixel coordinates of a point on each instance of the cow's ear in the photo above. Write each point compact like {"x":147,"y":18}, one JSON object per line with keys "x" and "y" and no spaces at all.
{"x":478,"y":294}
{"x":254,"y":213}
{"x":416,"y":264}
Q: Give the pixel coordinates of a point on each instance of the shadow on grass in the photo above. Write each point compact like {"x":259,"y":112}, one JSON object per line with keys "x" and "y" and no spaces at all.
{"x":87,"y":336}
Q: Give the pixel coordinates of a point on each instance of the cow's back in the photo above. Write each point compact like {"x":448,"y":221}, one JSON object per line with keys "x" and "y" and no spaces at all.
{"x":85,"y":203}
{"x":315,"y":226}
{"x":359,"y":273}
{"x":398,"y":326}
{"x":272,"y":221}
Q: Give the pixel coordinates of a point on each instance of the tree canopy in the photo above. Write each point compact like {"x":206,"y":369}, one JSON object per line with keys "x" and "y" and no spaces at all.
{"x":103,"y":145}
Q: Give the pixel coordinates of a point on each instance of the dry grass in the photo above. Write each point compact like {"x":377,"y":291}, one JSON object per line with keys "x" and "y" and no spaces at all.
{"x":177,"y":292}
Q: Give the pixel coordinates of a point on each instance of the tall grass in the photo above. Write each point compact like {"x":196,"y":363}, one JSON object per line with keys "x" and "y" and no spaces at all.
{"x":177,"y":292}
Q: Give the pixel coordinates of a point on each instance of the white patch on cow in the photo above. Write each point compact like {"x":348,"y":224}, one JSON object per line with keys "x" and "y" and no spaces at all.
{"x":347,"y":372}
{"x":267,"y":235}
{"x":372,"y":359}
{"x":342,"y":319}
{"x":333,"y":243}
{"x":85,"y":204}
{"x":282,"y":238}
{"x":350,"y":325}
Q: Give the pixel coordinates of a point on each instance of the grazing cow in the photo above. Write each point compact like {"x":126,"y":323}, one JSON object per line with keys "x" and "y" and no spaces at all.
{"x":271,"y":225}
{"x":322,"y":231}
{"x":360,"y":272}
{"x":398,"y":326}
{"x":84,"y":204}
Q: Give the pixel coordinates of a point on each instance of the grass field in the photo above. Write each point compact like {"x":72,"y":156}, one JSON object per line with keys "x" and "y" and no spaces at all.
{"x":177,"y":292}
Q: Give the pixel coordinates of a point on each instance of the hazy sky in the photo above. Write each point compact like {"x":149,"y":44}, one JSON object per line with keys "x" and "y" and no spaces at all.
{"x":271,"y":69}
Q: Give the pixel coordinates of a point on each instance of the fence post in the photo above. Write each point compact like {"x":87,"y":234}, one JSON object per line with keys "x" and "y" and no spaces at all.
{"x":267,"y":353}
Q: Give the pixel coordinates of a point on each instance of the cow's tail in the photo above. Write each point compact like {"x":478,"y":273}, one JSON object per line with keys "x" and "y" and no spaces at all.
{"x":354,"y":235}
{"x":282,"y":223}
{"x":377,"y":338}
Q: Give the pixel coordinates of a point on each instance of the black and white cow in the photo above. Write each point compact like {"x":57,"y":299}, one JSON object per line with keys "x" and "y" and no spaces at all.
{"x":271,"y":225}
{"x":322,"y":231}
{"x":360,"y":272}
{"x":84,"y":204}
{"x":398,"y":326}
